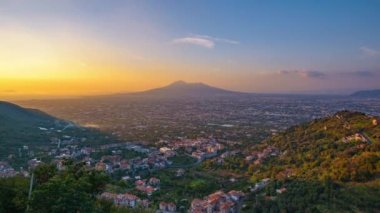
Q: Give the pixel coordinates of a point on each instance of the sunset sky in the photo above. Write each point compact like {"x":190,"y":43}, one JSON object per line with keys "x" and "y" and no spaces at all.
{"x":86,"y":47}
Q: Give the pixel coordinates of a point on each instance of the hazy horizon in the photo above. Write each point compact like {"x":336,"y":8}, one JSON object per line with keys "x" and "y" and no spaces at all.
{"x":47,"y":97}
{"x":56,"y":49}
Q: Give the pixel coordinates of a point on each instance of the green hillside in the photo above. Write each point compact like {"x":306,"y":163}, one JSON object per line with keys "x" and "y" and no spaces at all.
{"x":9,"y":112}
{"x":21,"y":127}
{"x":331,"y":164}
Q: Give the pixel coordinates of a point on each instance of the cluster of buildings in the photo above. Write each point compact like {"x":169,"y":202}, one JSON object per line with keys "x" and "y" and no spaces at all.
{"x":220,"y":159}
{"x":127,"y":200}
{"x":200,"y":148}
{"x":148,"y":186}
{"x":218,"y":202}
{"x":128,"y":146}
{"x":153,"y":161}
{"x":259,"y":157}
{"x":33,"y":163}
{"x":357,"y":137}
{"x":6,"y":170}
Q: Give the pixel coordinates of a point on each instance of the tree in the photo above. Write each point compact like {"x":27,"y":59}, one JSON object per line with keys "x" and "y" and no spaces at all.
{"x":44,"y":172}
{"x":72,"y":190}
{"x":13,"y":194}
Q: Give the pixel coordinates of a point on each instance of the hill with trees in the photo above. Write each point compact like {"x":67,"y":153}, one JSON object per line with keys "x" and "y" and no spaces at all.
{"x":23,"y":127}
{"x":327,"y":165}
{"x":28,"y":133}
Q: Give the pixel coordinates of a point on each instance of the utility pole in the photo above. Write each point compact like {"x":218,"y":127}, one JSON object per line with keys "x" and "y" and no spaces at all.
{"x":30,"y":190}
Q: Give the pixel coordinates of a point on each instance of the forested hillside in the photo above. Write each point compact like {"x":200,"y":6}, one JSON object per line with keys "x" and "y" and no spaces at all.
{"x":29,"y":133}
{"x":329,"y":164}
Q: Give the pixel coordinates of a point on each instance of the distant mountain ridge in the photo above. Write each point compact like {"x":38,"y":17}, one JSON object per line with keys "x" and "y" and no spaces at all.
{"x":367,"y":94}
{"x":180,"y":89}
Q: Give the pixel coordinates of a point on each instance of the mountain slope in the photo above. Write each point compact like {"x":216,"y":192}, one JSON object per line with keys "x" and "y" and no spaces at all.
{"x":12,"y":113}
{"x":35,"y":130}
{"x":327,"y":165}
{"x":322,"y":147}
{"x":367,"y":94}
{"x":20,"y":126}
{"x":182,"y":89}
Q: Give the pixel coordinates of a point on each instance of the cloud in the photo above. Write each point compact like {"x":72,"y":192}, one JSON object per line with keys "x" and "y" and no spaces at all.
{"x":203,"y":41}
{"x":313,"y":74}
{"x":195,"y":41}
{"x":215,"y":39}
{"x":304,"y":73}
{"x":362,"y":73}
{"x":369,"y":51}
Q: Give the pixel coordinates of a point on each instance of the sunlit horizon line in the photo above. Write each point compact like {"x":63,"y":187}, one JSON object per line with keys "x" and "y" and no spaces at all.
{"x":46,"y":96}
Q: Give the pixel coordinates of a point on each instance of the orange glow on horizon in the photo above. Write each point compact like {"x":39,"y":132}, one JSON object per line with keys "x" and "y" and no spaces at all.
{"x":68,"y":64}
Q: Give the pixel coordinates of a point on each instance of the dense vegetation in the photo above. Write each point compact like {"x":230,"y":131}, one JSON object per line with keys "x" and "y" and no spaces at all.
{"x":73,"y":190}
{"x":320,"y":169}
{"x":18,"y":126}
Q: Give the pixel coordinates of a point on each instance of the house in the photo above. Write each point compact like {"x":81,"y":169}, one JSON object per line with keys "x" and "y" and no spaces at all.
{"x":126,"y":178}
{"x":357,"y":137}
{"x":124,"y":165}
{"x":34,"y":163}
{"x":165,"y":207}
{"x":87,"y":150}
{"x":227,"y":207}
{"x":218,"y":201}
{"x":147,"y":189}
{"x":126,"y":199}
{"x":281,"y":190}
{"x":375,"y":121}
{"x":260,"y":185}
{"x":172,"y":207}
{"x":198,"y":206}
{"x":180,"y":172}
{"x":165,"y":149}
{"x":144,"y":203}
{"x":114,"y":159}
{"x":140,"y":182}
{"x":101,"y":166}
{"x":154,"y":181}
{"x":162,"y":206}
{"x":250,"y":158}
{"x":236,"y":195}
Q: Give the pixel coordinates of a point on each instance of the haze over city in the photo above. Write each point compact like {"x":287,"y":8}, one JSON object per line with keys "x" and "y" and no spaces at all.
{"x":75,"y":48}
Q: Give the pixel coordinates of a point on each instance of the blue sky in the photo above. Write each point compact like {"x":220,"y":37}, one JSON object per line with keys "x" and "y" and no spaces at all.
{"x":259,"y":46}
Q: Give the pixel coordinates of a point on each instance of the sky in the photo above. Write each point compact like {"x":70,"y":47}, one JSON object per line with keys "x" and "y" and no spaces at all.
{"x":68,"y":48}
